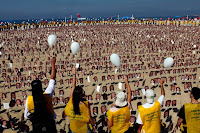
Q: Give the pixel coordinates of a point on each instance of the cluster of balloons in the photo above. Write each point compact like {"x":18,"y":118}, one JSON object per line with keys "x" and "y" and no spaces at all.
{"x":114,"y":58}
{"x":75,"y":47}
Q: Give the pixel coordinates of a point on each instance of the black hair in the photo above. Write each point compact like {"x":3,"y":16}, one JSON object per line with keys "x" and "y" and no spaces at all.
{"x":77,"y":97}
{"x":196,"y":93}
{"x":38,"y":97}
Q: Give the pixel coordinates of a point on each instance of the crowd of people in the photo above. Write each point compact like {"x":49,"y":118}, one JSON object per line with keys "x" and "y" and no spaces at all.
{"x":25,"y":56}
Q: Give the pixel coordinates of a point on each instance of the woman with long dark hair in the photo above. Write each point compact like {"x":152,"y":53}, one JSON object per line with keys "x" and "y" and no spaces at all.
{"x":78,"y":109}
{"x":38,"y":106}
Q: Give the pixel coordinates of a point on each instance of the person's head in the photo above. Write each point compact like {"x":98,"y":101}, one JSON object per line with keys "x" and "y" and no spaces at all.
{"x":18,"y":102}
{"x":132,"y":119}
{"x":78,"y":96}
{"x":174,"y":103}
{"x":103,"y":108}
{"x":55,"y":100}
{"x":37,"y":87}
{"x":121,"y":99}
{"x":66,"y":100}
{"x":23,"y":93}
{"x":112,"y":95}
{"x":24,"y":102}
{"x":105,"y":97}
{"x":166,"y":113}
{"x":98,"y":96}
{"x":61,"y":99}
{"x":111,"y":88}
{"x":90,"y":97}
{"x":195,"y":93}
{"x":13,"y":95}
{"x":61,"y":92}
{"x":3,"y":96}
{"x":95,"y":110}
{"x":178,"y":89}
{"x":150,"y":96}
{"x":12,"y":103}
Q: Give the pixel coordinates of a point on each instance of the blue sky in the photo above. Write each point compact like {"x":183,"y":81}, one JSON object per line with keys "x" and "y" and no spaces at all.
{"x":31,"y":9}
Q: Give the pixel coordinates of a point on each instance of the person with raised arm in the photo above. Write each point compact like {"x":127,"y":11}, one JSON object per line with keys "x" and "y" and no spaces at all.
{"x":39,"y":108}
{"x":150,"y":113}
{"x":119,"y":114}
{"x":78,"y":109}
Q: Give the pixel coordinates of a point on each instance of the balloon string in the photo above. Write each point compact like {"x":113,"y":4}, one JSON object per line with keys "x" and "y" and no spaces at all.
{"x":51,"y":52}
{"x":74,"y":60}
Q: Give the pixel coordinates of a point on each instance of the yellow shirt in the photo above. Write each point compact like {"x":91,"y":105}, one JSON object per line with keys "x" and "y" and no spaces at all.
{"x":150,"y":118}
{"x":78,"y":123}
{"x":47,"y":100}
{"x":119,"y":119}
{"x":192,"y":116}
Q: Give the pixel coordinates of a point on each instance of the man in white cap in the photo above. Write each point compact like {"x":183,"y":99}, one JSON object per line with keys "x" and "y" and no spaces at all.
{"x":149,"y":113}
{"x":119,"y":114}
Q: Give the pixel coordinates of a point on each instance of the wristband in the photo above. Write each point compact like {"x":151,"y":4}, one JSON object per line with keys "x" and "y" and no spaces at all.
{"x":73,"y":74}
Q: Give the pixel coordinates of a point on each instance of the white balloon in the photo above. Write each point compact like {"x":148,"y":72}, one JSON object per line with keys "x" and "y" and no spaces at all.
{"x":115,"y":59}
{"x":194,"y":46}
{"x":75,"y":47}
{"x":194,"y":52}
{"x":0,"y":53}
{"x":52,"y":40}
{"x":168,"y":62}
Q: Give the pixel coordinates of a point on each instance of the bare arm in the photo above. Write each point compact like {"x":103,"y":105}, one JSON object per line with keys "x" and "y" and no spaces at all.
{"x":128,"y":90}
{"x":162,"y":88}
{"x":109,"y":125}
{"x":53,"y":70}
{"x":180,"y":120}
{"x":73,"y":82}
{"x":140,"y":128}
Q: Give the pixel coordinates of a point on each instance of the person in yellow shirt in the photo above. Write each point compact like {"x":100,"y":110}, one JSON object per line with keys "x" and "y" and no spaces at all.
{"x":78,"y":110}
{"x":39,"y":108}
{"x":119,"y":114}
{"x":149,"y":113}
{"x":189,"y":114}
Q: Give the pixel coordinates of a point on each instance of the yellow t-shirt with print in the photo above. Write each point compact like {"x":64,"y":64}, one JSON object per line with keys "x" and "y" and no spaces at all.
{"x":78,"y":123}
{"x":192,"y":116}
{"x":150,"y":118}
{"x":120,"y":120}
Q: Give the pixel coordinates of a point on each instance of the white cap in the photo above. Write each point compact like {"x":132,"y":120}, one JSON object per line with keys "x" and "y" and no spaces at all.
{"x":150,"y":95}
{"x":120,"y":99}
